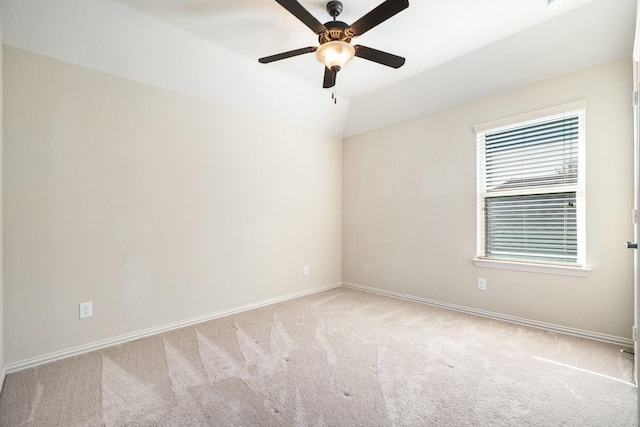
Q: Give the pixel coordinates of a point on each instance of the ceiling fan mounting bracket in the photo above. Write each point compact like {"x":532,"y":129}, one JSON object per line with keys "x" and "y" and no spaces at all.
{"x":334,"y":8}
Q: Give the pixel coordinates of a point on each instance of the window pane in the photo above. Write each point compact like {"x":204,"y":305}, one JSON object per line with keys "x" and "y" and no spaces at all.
{"x":534,"y":227}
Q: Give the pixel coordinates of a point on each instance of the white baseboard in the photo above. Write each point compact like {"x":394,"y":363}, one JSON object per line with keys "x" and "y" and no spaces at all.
{"x":625,"y":342}
{"x":74,"y":351}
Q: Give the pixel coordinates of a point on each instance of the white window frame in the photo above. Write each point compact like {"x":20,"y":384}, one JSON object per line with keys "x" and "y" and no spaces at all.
{"x":573,"y":269}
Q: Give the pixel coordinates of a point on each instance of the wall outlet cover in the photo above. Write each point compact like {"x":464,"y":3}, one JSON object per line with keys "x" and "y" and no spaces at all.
{"x":86,"y":310}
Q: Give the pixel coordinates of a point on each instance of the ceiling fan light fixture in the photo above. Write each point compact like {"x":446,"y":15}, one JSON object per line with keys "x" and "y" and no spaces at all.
{"x":556,"y":4}
{"x":335,"y":54}
{"x":335,"y":37}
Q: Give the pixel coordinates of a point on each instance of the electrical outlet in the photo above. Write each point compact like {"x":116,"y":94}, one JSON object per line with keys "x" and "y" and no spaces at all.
{"x":86,"y":309}
{"x":306,"y":270}
{"x":482,"y":284}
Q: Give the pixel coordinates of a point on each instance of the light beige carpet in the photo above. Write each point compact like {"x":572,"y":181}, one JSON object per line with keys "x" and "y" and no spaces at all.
{"x":338,"y":358}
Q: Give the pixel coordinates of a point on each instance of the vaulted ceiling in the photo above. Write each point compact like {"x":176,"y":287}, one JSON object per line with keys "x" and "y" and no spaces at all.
{"x":456,"y":51}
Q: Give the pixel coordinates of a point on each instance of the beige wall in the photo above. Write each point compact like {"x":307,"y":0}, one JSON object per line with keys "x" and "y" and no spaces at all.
{"x":409,"y":208}
{"x":157,"y":207}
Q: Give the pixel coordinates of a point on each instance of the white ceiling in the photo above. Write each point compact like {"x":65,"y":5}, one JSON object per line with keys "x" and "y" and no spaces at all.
{"x":456,"y":50}
{"x":428,"y":33}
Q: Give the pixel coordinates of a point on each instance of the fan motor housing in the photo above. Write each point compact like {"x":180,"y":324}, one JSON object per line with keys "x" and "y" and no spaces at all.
{"x":336,"y":32}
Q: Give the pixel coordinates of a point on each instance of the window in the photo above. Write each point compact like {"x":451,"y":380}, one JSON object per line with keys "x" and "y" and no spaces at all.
{"x":530,"y":174}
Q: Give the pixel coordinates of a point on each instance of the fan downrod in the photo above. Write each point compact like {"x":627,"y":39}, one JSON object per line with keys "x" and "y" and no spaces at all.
{"x":334,"y":8}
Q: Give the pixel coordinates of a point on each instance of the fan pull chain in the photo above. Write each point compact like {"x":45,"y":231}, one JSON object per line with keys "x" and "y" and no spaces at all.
{"x":334,"y":94}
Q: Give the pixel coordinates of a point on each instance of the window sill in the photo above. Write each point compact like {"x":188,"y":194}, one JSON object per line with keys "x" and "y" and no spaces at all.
{"x":559,"y":270}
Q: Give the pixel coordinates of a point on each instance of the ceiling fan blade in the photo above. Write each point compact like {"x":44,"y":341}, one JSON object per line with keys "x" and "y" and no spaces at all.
{"x":285,"y":55}
{"x":378,"y":15}
{"x":329,"y":78}
{"x":303,"y":15}
{"x":379,"y":56}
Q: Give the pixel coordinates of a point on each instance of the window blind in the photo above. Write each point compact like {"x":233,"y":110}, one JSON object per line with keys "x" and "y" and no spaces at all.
{"x":539,"y":227}
{"x":530,"y":190}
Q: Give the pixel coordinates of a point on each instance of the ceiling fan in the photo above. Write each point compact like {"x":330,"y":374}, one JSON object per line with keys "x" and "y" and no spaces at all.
{"x":335,"y":48}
